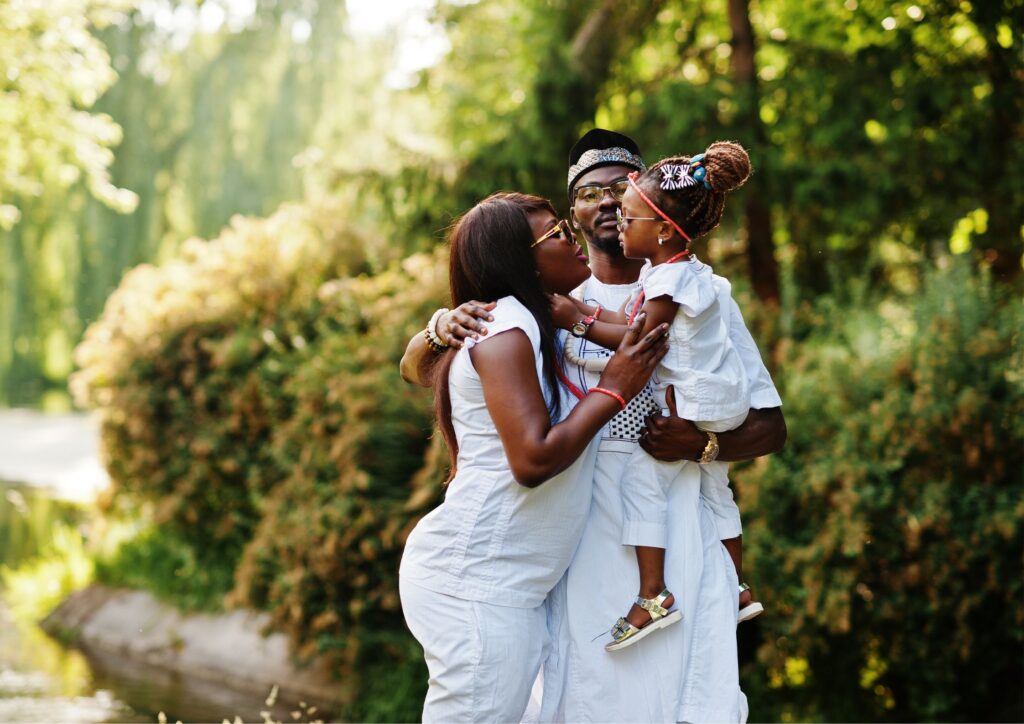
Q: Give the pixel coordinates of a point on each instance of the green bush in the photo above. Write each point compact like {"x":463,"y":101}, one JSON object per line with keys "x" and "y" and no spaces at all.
{"x":163,"y":561}
{"x":186,"y":366}
{"x":250,"y":397}
{"x":886,"y":538}
{"x":325,"y":556}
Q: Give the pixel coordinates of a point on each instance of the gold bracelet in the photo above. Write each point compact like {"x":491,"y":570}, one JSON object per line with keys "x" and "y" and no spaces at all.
{"x":711,"y":450}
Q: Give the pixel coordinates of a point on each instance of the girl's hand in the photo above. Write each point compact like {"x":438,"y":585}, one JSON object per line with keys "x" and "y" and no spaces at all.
{"x":564,"y":311}
{"x":464,"y":321}
{"x":635,"y":360}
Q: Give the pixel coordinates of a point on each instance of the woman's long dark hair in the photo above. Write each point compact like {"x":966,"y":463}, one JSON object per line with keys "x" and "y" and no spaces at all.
{"x":490,"y":258}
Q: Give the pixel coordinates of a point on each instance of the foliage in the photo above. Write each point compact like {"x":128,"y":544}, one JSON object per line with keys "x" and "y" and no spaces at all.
{"x":886,"y":537}
{"x":53,"y":69}
{"x":36,"y":585}
{"x":213,"y":121}
{"x":162,"y":561}
{"x":250,"y":392}
{"x":325,"y":556}
{"x":182,"y":360}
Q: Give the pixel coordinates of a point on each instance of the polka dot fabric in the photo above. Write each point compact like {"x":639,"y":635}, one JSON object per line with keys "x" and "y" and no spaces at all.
{"x":628,"y":424}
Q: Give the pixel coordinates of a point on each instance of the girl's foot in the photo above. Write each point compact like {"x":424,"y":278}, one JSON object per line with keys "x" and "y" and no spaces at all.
{"x":640,"y":617}
{"x":655,"y":615}
{"x":749,"y":608}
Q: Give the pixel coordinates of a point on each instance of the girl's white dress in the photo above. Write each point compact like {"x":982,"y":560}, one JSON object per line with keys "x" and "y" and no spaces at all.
{"x":711,"y":388}
{"x":476,"y":570}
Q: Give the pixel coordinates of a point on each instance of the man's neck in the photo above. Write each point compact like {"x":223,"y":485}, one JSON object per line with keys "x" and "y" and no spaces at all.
{"x":614,"y":268}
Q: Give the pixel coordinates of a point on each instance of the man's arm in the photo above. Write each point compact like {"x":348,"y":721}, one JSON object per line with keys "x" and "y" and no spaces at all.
{"x":673,"y":438}
{"x":453,"y":328}
{"x":417,"y":361}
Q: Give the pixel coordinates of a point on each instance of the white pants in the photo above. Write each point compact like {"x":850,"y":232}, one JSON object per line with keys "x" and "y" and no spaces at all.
{"x":645,"y":494}
{"x":482,"y":658}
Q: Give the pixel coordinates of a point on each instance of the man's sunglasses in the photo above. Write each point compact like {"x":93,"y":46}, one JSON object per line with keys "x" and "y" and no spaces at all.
{"x":591,"y":194}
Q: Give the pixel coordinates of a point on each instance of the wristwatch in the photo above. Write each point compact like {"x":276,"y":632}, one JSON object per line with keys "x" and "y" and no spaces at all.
{"x":580,"y":328}
{"x":711,"y":450}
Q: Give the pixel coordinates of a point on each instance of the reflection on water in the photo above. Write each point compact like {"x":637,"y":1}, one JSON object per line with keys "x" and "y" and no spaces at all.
{"x":43,"y":681}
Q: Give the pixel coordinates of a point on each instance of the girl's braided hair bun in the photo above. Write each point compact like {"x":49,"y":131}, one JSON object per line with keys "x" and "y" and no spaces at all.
{"x":728,"y":166}
{"x":693,"y":192}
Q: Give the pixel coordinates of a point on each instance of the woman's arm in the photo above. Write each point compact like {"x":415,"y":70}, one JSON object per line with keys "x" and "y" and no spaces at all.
{"x":536,"y":449}
{"x":672,"y":438}
{"x":453,"y":328}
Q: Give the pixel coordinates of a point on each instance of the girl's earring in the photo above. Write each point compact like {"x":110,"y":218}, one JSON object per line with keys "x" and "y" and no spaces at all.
{"x":661,"y":241}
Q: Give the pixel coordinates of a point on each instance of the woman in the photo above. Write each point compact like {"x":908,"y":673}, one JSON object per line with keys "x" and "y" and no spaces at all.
{"x":477,"y":569}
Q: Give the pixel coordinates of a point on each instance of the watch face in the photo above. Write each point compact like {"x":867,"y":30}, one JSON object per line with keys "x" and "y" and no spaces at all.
{"x":578,"y":330}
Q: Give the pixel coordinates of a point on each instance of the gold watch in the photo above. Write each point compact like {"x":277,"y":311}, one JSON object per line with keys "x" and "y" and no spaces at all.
{"x":710,"y":450}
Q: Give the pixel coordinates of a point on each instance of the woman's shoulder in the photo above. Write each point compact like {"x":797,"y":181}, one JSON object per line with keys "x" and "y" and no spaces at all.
{"x":509,"y":313}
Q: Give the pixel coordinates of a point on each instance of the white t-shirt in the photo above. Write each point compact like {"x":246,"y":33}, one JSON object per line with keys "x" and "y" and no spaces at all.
{"x":492,"y":539}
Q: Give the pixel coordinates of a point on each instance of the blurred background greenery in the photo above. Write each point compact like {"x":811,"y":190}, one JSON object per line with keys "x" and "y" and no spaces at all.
{"x":221,"y":220}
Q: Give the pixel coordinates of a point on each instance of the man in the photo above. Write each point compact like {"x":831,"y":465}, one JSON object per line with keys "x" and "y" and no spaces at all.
{"x":690,"y":674}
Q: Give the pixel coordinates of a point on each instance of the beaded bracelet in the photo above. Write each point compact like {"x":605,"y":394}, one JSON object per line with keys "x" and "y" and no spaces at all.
{"x":621,"y":400}
{"x":431,"y":344}
{"x":434,"y":341}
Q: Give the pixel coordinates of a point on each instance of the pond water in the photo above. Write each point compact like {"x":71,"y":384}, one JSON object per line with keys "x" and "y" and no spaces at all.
{"x":42,"y":680}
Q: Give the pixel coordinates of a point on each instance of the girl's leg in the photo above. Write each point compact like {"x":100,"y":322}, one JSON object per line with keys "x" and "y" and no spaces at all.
{"x":651,"y":562}
{"x":735,"y":548}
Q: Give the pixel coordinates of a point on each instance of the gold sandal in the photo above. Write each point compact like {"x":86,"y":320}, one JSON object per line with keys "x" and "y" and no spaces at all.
{"x":626,"y":634}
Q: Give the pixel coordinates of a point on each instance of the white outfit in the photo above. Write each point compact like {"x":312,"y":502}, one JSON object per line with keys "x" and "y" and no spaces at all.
{"x":492,"y":545}
{"x":711,"y":388}
{"x":688,"y":672}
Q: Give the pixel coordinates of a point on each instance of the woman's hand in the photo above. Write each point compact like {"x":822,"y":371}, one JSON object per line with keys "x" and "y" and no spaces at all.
{"x":464,"y":321}
{"x":635,"y":360}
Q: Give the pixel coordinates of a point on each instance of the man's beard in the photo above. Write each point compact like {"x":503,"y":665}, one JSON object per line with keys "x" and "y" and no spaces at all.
{"x":608,"y":242}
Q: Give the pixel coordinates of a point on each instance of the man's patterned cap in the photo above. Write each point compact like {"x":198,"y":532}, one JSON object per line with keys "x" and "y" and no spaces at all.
{"x":599,"y":147}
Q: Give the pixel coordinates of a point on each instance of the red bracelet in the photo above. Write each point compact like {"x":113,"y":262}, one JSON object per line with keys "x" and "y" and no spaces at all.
{"x":597,"y":312}
{"x":616,"y":395}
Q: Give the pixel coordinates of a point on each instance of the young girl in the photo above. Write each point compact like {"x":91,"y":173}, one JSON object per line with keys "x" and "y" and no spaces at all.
{"x":677,"y":200}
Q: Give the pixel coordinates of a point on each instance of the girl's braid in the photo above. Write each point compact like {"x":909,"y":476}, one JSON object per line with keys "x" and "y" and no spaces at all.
{"x":695,"y":208}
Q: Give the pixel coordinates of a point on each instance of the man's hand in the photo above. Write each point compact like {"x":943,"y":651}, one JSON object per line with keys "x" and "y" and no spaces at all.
{"x":672,"y":438}
{"x":464,"y":321}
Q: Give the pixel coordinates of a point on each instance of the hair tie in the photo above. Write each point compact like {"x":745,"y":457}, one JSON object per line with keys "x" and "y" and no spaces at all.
{"x":699,"y":171}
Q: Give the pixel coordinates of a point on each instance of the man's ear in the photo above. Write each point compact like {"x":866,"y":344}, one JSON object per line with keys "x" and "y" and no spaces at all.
{"x":572,"y":217}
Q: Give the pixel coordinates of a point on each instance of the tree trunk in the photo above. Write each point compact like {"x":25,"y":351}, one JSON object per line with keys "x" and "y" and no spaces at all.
{"x":764,"y":270}
{"x":1000,"y":246}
